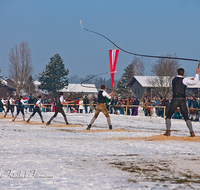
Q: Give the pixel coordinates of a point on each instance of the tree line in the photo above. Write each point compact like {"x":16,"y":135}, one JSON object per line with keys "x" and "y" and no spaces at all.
{"x":55,"y":76}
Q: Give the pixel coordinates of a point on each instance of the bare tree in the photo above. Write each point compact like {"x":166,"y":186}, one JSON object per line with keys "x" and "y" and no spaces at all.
{"x":20,"y":67}
{"x":137,"y":66}
{"x":163,"y":71}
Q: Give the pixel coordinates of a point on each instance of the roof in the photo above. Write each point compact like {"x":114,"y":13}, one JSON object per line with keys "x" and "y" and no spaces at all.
{"x":87,"y":88}
{"x":143,"y":80}
{"x":37,"y":83}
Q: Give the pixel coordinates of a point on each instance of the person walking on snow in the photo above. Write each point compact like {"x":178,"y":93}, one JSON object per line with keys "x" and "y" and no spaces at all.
{"x":101,"y":107}
{"x":179,"y":85}
{"x":37,"y":109}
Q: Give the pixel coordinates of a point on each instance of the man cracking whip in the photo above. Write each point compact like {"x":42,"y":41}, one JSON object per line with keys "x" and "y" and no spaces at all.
{"x":59,"y":109}
{"x":37,"y":109}
{"x":101,"y":107}
{"x":179,"y":85}
{"x":20,"y":107}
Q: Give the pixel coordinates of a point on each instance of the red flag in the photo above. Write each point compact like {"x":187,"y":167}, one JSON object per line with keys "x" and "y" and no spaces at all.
{"x":113,"y":61}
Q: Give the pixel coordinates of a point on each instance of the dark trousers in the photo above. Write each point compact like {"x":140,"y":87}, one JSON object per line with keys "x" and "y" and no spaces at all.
{"x":58,"y":110}
{"x":178,"y":102}
{"x":20,"y":109}
{"x":36,"y":110}
{"x":10,"y":107}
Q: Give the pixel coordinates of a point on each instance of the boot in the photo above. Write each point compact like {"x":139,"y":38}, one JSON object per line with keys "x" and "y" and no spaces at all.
{"x":192,"y":134}
{"x":48,"y":123}
{"x":29,"y":119}
{"x":65,"y":118}
{"x":89,"y":126}
{"x":14,"y":118}
{"x":167,"y":133}
{"x":42,"y":119}
{"x":23,"y":117}
{"x":110,"y":126}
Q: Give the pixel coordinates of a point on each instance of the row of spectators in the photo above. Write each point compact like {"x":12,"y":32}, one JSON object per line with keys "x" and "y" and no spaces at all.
{"x":128,"y":106}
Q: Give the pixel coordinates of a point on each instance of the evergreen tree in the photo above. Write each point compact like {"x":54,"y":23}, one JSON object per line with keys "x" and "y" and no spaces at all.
{"x":54,"y":76}
{"x":121,"y":88}
{"x":135,"y":68}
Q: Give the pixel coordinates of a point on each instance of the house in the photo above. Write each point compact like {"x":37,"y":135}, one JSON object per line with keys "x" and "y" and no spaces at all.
{"x":86,"y":89}
{"x":141,"y":86}
{"x":6,"y":87}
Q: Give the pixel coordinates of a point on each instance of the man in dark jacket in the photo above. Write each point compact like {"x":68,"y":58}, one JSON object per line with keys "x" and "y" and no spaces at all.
{"x":179,"y":85}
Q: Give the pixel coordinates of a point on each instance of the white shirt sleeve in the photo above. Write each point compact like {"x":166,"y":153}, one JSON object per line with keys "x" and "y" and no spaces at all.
{"x":187,"y":81}
{"x":23,"y":101}
{"x":62,"y":99}
{"x":39,"y":103}
{"x":106,"y":94}
{"x":11,"y":101}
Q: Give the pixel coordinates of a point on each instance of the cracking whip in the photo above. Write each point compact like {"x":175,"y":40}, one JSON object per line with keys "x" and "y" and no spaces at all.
{"x":136,"y":54}
{"x":93,"y":77}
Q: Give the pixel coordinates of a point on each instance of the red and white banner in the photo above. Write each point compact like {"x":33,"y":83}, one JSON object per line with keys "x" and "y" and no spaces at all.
{"x":113,"y":54}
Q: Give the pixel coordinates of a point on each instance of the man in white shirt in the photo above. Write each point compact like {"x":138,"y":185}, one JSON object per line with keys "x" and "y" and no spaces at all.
{"x":101,"y":107}
{"x":20,"y":107}
{"x":179,"y":85}
{"x":10,"y":103}
{"x":2,"y":103}
{"x":37,"y":108}
{"x":59,"y":109}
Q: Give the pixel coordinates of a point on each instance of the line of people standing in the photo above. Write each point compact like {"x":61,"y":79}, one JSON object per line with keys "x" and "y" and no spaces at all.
{"x":119,"y":104}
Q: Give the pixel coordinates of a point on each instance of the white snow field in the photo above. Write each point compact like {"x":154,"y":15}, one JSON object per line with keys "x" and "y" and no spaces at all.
{"x":134,"y":155}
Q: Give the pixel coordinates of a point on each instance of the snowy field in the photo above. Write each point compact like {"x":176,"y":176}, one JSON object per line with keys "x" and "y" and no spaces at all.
{"x":134,"y":155}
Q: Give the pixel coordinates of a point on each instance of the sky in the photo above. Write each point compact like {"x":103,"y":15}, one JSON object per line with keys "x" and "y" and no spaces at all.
{"x":146,"y":27}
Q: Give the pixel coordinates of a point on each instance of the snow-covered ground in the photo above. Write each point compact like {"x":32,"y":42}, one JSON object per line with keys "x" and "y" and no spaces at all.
{"x":36,"y":156}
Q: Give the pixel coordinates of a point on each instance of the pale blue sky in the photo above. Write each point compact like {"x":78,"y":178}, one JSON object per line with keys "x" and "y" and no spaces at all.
{"x":152,"y":27}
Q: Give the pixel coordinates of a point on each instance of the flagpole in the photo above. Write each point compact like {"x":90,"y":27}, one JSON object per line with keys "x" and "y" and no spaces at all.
{"x":113,"y":64}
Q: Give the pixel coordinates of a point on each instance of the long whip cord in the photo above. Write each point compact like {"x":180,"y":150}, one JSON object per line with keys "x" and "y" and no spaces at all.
{"x":93,"y":77}
{"x":136,"y":54}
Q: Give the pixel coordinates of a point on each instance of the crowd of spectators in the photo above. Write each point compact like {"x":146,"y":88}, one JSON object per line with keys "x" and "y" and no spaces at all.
{"x":117,"y":105}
